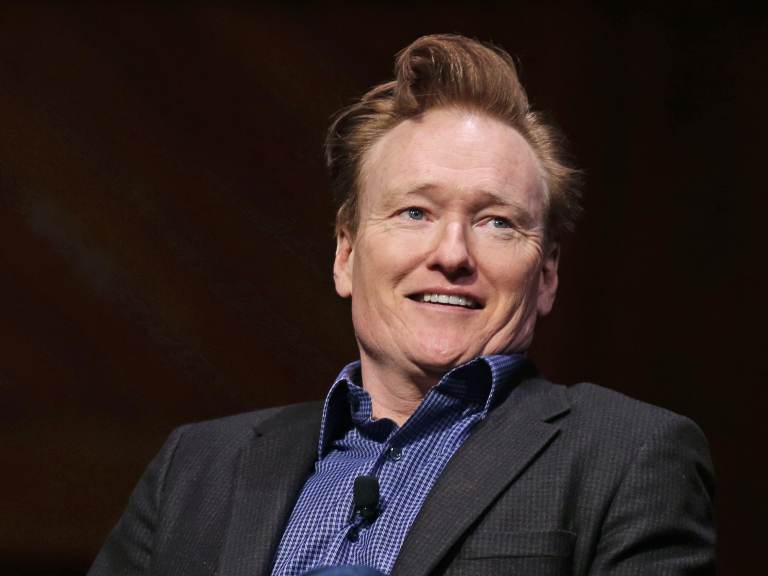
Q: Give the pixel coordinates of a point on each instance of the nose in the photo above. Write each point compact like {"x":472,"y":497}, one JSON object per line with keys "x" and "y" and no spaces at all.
{"x":451,"y":253}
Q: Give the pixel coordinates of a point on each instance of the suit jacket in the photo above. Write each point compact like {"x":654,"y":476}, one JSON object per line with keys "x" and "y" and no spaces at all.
{"x":554,"y":481}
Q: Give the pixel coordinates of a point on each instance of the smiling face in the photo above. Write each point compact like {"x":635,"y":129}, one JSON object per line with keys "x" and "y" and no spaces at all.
{"x":449,"y":260}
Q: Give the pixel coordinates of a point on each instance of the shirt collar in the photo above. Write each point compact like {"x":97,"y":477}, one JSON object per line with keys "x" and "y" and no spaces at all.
{"x":484,"y":381}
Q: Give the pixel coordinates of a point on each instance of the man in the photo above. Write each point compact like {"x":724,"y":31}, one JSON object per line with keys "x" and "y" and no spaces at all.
{"x":441,"y":451}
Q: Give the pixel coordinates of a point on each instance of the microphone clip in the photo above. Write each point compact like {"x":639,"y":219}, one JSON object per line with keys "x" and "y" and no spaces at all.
{"x":365,"y":498}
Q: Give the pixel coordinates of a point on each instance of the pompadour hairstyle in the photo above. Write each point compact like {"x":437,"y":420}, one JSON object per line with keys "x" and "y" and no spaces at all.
{"x":439,"y":71}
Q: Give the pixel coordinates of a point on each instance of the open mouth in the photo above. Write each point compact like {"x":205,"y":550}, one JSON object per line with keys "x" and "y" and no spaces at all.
{"x":447,"y":299}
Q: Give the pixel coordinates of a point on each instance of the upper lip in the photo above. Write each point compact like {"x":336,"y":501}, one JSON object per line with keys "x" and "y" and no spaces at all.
{"x":450,"y":291}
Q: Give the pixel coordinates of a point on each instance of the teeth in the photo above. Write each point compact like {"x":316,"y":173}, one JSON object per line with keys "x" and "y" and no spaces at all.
{"x":452,"y":300}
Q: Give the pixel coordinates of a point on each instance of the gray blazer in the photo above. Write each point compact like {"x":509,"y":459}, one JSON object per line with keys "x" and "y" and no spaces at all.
{"x":555,"y":481}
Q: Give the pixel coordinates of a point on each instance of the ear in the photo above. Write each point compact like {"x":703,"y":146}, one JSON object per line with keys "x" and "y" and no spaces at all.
{"x":342,"y":264}
{"x":548,"y":279}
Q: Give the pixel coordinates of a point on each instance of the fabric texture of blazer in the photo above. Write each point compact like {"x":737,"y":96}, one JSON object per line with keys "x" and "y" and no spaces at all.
{"x":555,"y":481}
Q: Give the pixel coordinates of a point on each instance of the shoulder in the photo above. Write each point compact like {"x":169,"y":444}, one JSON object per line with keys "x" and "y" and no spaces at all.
{"x":598,"y":424}
{"x":613,"y":431}
{"x":232,"y":428}
{"x":649,"y":478}
{"x":621,"y":417}
{"x":588,"y":396}
{"x":206,"y":444}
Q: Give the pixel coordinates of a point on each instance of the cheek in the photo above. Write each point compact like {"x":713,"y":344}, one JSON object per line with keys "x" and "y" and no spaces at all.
{"x":510,"y":327}
{"x":515,"y":278}
{"x":387,"y":258}
{"x":376,"y":274}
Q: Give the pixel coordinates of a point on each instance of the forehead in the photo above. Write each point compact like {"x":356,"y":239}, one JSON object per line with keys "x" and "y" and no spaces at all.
{"x":456,"y":155}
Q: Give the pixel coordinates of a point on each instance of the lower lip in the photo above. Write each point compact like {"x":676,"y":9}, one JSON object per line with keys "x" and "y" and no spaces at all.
{"x":444,"y":307}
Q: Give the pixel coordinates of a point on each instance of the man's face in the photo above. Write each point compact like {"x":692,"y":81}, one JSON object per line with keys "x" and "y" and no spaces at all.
{"x":449,"y":260}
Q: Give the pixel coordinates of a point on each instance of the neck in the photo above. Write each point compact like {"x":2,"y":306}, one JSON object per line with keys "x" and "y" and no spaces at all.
{"x":394,"y":394}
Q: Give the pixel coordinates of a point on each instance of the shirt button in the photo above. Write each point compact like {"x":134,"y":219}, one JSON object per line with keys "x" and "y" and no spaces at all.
{"x":394,"y":453}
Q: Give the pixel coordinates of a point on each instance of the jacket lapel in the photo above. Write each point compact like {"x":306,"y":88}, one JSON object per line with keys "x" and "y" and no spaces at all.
{"x":490,"y":459}
{"x":273,"y":469}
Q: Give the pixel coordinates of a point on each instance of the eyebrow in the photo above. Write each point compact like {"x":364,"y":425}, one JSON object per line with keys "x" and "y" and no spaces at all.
{"x":485,"y":199}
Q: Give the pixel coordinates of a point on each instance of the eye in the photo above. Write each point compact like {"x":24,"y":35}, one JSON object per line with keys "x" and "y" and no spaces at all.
{"x":415,"y":213}
{"x":498,"y":222}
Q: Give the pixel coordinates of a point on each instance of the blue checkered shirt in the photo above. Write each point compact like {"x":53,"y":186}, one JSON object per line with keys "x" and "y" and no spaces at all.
{"x":322,"y":530}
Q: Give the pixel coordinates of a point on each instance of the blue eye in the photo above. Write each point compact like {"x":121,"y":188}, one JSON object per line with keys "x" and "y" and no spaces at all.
{"x":415,"y":213}
{"x":501,"y":223}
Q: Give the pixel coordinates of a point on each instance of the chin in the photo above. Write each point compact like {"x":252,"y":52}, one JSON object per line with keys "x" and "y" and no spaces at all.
{"x":443,"y":358}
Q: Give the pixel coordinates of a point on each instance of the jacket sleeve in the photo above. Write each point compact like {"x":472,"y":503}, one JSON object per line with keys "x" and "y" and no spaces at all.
{"x":128,"y":549}
{"x":660,"y":519}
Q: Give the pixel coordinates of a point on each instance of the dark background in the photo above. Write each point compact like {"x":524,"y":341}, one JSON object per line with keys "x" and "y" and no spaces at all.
{"x":166,"y":230}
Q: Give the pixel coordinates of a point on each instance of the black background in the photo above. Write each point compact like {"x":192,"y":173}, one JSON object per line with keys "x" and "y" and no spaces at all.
{"x":166,"y":229}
